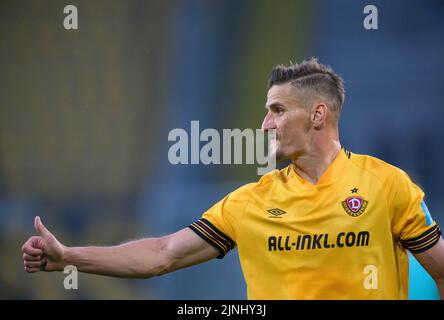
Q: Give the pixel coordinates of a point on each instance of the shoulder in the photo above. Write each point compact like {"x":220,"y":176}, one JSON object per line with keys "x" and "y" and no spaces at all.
{"x":382,"y":170}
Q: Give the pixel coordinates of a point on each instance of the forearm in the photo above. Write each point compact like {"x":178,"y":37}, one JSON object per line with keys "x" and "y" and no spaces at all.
{"x":137,"y":259}
{"x":440,"y":285}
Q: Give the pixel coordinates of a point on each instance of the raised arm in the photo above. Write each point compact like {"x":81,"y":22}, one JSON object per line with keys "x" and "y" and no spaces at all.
{"x":433,"y":261}
{"x":143,"y":258}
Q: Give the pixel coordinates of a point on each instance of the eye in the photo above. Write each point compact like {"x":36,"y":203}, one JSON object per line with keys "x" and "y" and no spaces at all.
{"x":278,"y":110}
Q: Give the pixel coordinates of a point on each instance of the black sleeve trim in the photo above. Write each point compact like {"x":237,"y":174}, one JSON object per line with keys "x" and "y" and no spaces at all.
{"x":424,"y":241}
{"x":207,"y":231}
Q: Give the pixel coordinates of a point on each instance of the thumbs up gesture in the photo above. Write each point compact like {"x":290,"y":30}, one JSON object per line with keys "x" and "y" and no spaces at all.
{"x":43,"y":252}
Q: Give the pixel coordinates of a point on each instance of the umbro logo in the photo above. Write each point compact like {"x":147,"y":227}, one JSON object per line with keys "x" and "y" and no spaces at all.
{"x":276,"y":212}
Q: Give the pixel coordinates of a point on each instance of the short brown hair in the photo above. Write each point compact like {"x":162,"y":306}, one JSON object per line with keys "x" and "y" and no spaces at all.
{"x":315,"y":77}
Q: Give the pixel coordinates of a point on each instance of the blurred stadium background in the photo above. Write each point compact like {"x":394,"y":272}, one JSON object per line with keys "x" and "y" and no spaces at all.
{"x":85,"y":115}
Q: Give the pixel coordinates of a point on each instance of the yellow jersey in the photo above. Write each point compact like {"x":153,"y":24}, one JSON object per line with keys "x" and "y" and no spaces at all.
{"x":343,"y":238}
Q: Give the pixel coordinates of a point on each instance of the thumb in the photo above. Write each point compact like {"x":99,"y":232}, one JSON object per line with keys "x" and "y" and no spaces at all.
{"x":40,"y":228}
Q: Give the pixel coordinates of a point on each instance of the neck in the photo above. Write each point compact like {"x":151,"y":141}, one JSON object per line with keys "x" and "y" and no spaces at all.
{"x":312,"y":164}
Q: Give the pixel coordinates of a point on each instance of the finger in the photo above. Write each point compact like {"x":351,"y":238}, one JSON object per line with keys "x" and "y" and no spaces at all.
{"x":28,"y":257}
{"x":32,"y":270}
{"x":40,"y":228}
{"x":32,"y":251}
{"x":34,"y":264}
{"x":31,"y":248}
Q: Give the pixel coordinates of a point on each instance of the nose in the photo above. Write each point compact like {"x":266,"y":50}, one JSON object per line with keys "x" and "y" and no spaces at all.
{"x":268,"y":122}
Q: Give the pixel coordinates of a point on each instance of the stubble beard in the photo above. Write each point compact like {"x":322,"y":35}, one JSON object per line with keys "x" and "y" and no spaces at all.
{"x":276,"y":151}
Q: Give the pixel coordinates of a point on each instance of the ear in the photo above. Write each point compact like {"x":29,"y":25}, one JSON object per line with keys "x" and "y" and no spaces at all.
{"x":319,"y":115}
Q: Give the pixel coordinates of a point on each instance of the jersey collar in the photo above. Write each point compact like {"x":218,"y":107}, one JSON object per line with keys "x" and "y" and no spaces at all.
{"x":334,"y":171}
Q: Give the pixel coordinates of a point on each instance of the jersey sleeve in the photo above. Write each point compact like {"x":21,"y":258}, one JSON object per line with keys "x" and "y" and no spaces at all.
{"x":218,"y":224}
{"x":412,"y":224}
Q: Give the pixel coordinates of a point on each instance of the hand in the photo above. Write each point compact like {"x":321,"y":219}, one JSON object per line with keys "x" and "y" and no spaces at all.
{"x":43,"y":252}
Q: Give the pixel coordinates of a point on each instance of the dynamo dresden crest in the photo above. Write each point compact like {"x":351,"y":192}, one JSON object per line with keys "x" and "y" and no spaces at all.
{"x":354,"y":206}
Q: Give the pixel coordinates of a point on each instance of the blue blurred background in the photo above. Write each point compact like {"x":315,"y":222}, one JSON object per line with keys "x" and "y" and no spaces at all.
{"x":85,"y":116}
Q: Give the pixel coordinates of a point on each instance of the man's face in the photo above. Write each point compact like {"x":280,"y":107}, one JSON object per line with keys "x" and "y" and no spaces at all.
{"x":289,"y":118}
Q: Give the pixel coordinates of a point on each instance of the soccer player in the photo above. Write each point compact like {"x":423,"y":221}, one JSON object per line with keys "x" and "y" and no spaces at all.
{"x":331,"y":225}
